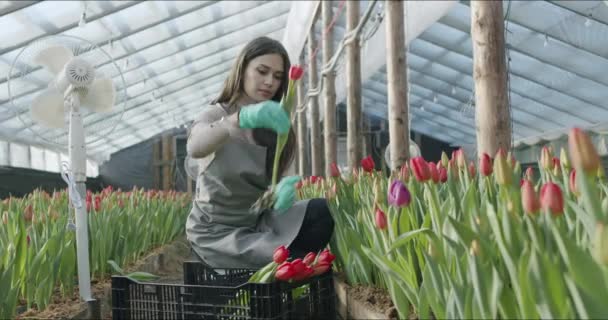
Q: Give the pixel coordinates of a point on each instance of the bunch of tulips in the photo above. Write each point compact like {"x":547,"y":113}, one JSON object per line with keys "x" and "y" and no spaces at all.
{"x":296,"y":270}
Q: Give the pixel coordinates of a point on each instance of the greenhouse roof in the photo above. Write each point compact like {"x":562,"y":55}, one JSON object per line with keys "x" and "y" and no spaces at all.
{"x":174,"y":56}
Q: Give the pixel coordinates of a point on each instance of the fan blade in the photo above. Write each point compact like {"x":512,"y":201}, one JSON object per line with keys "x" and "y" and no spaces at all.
{"x":100,"y":96}
{"x":47,"y":109}
{"x":54,"y":58}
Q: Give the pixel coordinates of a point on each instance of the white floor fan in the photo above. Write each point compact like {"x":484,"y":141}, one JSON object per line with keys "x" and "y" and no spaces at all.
{"x":84,"y":83}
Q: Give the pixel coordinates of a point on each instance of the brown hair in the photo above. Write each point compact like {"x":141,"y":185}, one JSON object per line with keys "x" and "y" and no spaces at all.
{"x":234,"y":88}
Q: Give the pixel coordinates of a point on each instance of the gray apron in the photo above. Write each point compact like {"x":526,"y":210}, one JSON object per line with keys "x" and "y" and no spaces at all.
{"x":222,"y":229}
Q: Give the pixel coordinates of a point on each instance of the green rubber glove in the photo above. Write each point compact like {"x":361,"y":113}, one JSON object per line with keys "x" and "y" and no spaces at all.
{"x":267,"y":114}
{"x":285,"y":193}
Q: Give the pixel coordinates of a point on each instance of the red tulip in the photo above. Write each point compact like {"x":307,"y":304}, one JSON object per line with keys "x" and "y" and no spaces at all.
{"x":529,"y":198}
{"x":380,"y":219}
{"x":334,"y":170}
{"x":284,"y":272}
{"x":295,"y":72}
{"x":368,"y":164}
{"x":572,"y":183}
{"x":299,"y":184}
{"x":551,"y":198}
{"x":313,"y":179}
{"x":443,"y":174}
{"x":485,"y":165}
{"x":97,"y":204}
{"x":321,"y":268}
{"x":306,"y":272}
{"x":298,"y":266}
{"x":434,"y":172}
{"x":472,"y":169}
{"x":325,"y":257}
{"x":280,"y":255}
{"x":310,"y":258}
{"x":420,"y":168}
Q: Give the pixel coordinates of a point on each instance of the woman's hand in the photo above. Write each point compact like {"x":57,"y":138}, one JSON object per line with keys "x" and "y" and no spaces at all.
{"x":285,"y":193}
{"x":268,"y":114}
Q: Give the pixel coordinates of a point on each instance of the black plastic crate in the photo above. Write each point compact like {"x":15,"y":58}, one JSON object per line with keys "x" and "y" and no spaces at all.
{"x":207,"y":294}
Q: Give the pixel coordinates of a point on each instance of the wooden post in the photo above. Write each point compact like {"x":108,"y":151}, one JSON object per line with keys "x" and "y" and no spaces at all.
{"x":396,"y":76}
{"x":302,"y":134}
{"x":167,"y":161}
{"x":329,"y":92}
{"x":364,"y":135}
{"x":156,"y":164}
{"x":492,"y":116}
{"x":315,"y":128}
{"x":353,"y":88}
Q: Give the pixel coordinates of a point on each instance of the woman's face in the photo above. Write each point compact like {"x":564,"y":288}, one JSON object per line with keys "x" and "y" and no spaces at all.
{"x":263,"y":77}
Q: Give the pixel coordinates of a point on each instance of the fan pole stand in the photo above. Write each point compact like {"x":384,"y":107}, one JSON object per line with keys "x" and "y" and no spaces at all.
{"x":77,"y":154}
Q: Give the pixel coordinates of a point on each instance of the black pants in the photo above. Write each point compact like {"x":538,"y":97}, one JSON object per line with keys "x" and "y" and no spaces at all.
{"x":316,"y":229}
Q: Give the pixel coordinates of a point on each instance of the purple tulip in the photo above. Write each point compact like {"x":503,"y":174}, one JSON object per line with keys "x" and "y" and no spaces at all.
{"x":398,"y":195}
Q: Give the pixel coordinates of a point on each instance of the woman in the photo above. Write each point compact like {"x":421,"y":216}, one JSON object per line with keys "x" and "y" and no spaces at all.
{"x":235,"y":139}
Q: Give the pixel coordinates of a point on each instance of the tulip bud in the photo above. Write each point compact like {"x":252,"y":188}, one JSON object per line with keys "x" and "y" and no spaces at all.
{"x":380,"y":219}
{"x":326,"y":257}
{"x":28,"y":213}
{"x":502,"y":173}
{"x":485,"y":165}
{"x":368,"y":164}
{"x":398,"y":195}
{"x":443,"y":175}
{"x":284,"y":272}
{"x":529,"y":199}
{"x":334,"y":170}
{"x":472,"y":170}
{"x":280,"y":255}
{"x":475,"y":249}
{"x":320,"y":268}
{"x":600,"y":244}
{"x":444,"y":159}
{"x":563,"y":158}
{"x":295,"y":72}
{"x":434,"y":172}
{"x":551,"y":198}
{"x":517,"y":168}
{"x":530,"y":174}
{"x":572,"y":183}
{"x":5,"y":217}
{"x":420,"y":169}
{"x":461,"y":159}
{"x":582,"y":152}
{"x":546,"y":158}
{"x":452,"y":171}
{"x":310,"y":258}
{"x":557,"y":169}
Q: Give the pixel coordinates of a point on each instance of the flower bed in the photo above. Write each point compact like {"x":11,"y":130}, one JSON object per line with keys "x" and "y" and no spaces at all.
{"x":38,"y":247}
{"x":459,"y":240}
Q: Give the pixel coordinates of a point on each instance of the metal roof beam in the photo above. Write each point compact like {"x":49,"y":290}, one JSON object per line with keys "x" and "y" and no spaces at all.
{"x":201,"y":43}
